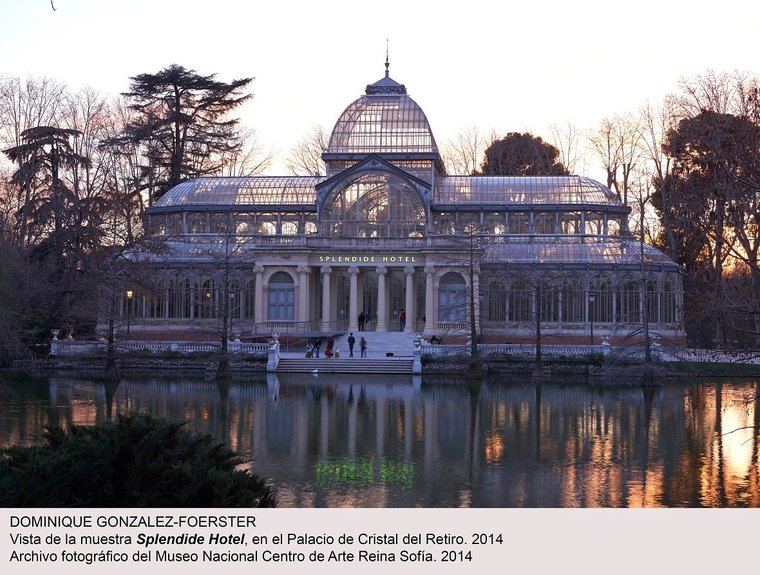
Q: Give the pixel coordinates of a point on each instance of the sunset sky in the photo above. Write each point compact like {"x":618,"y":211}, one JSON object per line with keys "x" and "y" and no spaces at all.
{"x":492,"y":64}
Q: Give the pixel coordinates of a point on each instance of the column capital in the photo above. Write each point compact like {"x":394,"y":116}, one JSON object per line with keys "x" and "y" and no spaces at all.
{"x":259,"y":269}
{"x":429,"y":270}
{"x":353,"y":270}
{"x":381,"y":270}
{"x":326,"y":270}
{"x":408,"y":270}
{"x":303,"y":269}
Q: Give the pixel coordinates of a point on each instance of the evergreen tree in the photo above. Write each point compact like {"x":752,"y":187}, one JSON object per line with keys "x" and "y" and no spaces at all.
{"x":183,"y":120}
{"x":522,"y":155}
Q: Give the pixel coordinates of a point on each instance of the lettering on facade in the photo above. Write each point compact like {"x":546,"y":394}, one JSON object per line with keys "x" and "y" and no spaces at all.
{"x":368,"y":259}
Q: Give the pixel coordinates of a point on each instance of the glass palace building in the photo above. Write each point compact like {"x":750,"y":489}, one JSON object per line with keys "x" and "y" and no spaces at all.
{"x":388,"y":229}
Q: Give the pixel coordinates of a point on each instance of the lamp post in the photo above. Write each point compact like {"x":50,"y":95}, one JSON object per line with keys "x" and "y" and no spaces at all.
{"x":130,"y":293}
{"x":591,"y":316}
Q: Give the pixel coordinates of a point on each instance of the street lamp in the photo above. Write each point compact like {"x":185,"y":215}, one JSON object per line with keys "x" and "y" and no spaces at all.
{"x":130,"y":293}
{"x":591,"y":316}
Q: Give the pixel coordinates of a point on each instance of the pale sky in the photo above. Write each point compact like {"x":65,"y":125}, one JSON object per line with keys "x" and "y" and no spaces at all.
{"x":513,"y":67}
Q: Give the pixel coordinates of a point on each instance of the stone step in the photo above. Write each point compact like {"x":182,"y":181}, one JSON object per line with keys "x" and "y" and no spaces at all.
{"x":345,"y":365}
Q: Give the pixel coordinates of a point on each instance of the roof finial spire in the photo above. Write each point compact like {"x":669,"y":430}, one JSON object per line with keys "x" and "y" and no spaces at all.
{"x":387,"y":62}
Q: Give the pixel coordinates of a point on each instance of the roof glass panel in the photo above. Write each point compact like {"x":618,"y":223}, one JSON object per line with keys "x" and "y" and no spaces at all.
{"x":522,"y":190}
{"x":257,"y":190}
{"x":573,"y":250}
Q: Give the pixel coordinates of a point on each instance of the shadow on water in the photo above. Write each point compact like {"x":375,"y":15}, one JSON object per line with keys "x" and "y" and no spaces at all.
{"x":373,"y":440}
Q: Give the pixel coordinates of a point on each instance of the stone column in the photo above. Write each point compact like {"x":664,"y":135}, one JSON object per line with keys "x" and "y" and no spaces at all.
{"x":409,"y":309}
{"x":382,"y":311}
{"x":429,"y":309}
{"x":353,"y":299}
{"x":326,"y":270}
{"x":303,"y":293}
{"x":258,"y":296}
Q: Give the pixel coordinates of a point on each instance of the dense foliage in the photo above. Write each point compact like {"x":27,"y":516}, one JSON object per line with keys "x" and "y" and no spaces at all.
{"x":522,"y":155}
{"x":136,"y":461}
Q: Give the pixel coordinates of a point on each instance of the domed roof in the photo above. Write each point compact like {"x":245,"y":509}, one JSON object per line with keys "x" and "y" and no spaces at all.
{"x":384,"y":120}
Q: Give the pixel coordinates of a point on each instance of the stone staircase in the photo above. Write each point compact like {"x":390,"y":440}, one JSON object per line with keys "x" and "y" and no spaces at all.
{"x":343,"y":364}
{"x":378,"y":344}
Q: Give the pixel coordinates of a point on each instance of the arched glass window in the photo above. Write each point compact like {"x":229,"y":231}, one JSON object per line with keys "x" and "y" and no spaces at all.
{"x":469,"y":223}
{"x":573,"y":304}
{"x":519,"y":223}
{"x":235,"y":299}
{"x":267,"y":228}
{"x":452,"y":298}
{"x":343,"y":296}
{"x":244,"y":228}
{"x":196,"y":223}
{"x":445,"y":224}
{"x":520,"y":302}
{"x":175,"y":225}
{"x":310,"y":227}
{"x":544,"y":223}
{"x":653,"y":302}
{"x":205,"y":299}
{"x":369,"y":298}
{"x":397,"y":298}
{"x":156,"y":300}
{"x":548,"y":297}
{"x":570,"y":223}
{"x":630,"y":310}
{"x":494,"y":224}
{"x":376,"y":204}
{"x":289,"y":228}
{"x":179,"y":298}
{"x":600,"y":309}
{"x":668,"y":303}
{"x":219,"y":224}
{"x":281,"y":298}
{"x":249,"y":298}
{"x":496,"y":306}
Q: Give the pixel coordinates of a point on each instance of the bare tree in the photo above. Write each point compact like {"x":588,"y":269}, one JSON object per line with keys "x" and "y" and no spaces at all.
{"x":464,"y":153}
{"x":569,"y":141}
{"x":249,"y":159}
{"x":305,"y":159}
{"x":617,"y":143}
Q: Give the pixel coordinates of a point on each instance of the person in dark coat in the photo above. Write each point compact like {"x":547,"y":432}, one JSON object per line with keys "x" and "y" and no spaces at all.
{"x":351,"y":342}
{"x":402,"y":319}
{"x":361,"y":321}
{"x":317,"y":345}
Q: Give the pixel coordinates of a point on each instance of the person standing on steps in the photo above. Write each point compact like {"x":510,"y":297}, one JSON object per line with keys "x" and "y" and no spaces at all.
{"x":351,"y":342}
{"x":402,"y":319}
{"x":363,"y":347}
{"x":361,"y":321}
{"x":317,"y":345}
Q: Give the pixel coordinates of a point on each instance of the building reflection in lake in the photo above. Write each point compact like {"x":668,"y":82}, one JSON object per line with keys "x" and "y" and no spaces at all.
{"x":385,"y":441}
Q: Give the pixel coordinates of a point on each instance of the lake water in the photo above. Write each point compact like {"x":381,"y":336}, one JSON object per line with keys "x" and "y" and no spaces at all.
{"x":362,"y":441}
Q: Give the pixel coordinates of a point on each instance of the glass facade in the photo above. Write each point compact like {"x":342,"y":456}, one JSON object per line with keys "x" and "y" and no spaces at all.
{"x":388,"y":229}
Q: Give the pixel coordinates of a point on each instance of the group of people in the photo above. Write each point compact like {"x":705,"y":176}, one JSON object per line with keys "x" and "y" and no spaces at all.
{"x":365,"y":319}
{"x":312,"y":349}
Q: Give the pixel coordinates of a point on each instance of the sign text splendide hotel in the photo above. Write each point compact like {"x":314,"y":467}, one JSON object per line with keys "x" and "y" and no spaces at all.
{"x":368,"y":259}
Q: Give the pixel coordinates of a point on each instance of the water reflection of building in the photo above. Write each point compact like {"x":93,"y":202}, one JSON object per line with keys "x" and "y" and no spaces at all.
{"x":509,"y":445}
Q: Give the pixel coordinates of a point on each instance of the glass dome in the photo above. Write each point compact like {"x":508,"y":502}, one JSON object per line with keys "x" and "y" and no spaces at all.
{"x":384,"y":120}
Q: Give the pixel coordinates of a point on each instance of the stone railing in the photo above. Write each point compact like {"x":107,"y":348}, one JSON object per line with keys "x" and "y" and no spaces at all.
{"x":517,"y":350}
{"x":74,"y":347}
